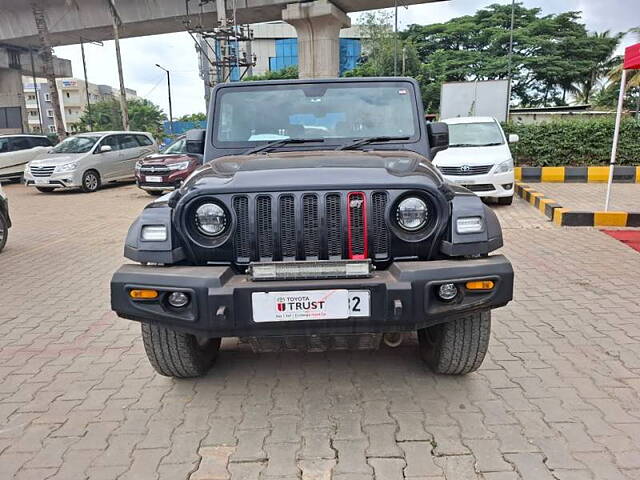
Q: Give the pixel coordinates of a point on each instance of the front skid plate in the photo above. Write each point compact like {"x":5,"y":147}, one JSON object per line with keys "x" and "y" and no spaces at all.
{"x":314,"y":343}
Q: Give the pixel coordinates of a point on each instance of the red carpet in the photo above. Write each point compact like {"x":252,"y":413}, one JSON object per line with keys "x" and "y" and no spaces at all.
{"x":628,"y":237}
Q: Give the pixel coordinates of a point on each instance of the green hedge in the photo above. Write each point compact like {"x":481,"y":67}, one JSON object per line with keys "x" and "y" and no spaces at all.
{"x":575,"y":142}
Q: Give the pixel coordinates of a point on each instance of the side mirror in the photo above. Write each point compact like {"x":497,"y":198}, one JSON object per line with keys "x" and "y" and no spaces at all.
{"x":195,"y":140}
{"x":438,"y":134}
{"x":514,"y":138}
{"x":105,"y":148}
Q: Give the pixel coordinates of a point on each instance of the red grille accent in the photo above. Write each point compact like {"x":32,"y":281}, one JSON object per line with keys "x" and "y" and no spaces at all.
{"x":357,"y":226}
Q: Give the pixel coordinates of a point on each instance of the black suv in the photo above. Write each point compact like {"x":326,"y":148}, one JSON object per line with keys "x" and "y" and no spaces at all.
{"x":317,"y":221}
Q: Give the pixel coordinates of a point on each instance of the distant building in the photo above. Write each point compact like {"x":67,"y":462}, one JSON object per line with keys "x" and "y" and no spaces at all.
{"x":527,"y":116}
{"x":73,"y":101}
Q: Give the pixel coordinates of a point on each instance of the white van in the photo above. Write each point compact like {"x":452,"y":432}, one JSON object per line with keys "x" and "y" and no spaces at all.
{"x":17,"y":150}
{"x":479,"y":158}
{"x":88,"y":160}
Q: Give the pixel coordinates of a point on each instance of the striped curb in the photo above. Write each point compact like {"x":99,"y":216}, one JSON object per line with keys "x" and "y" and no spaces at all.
{"x":621,"y":174}
{"x":573,"y":218}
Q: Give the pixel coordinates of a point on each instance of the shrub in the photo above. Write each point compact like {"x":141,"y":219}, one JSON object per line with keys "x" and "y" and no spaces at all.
{"x":575,"y":142}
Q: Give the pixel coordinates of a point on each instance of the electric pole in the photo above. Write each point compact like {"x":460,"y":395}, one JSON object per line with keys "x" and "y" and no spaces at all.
{"x":116,"y":36}
{"x":86,"y":87}
{"x":47,"y":60}
{"x":221,"y":10}
{"x":35,"y":89}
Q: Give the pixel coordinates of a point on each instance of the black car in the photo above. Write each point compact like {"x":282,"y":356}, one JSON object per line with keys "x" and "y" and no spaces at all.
{"x":317,"y":221}
{"x":5,"y":220}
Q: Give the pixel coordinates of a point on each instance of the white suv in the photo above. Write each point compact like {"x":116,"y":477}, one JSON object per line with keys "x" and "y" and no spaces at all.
{"x":479,"y":158}
{"x":17,"y":150}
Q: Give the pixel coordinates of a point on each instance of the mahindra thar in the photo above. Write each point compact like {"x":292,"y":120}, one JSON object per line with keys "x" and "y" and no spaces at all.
{"x":316,"y":222}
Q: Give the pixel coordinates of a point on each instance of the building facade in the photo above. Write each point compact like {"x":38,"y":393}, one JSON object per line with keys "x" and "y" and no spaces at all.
{"x":275,"y":46}
{"x":73,"y":102}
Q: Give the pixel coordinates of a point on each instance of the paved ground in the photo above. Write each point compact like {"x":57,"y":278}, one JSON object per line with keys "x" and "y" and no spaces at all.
{"x":558,"y":396}
{"x":591,"y":196}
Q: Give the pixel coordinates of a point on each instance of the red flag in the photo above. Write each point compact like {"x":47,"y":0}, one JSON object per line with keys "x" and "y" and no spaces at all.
{"x":632,"y":57}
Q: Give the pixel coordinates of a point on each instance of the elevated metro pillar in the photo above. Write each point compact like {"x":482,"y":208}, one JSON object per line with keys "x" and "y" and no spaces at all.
{"x":318,"y":26}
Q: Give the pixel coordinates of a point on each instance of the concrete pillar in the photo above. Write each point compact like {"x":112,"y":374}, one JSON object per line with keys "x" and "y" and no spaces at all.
{"x":12,"y":95}
{"x":318,"y":25}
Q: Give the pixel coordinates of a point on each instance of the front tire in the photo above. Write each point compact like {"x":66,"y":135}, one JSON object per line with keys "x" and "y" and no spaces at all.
{"x":90,"y":181}
{"x":176,"y":354}
{"x":4,"y":231}
{"x":456,"y":347}
{"x":45,"y":189}
{"x":505,"y":200}
{"x":155,"y":193}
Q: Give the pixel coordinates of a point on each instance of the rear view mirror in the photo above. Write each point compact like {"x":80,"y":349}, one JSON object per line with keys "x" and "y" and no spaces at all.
{"x":195,"y":140}
{"x":514,"y":138}
{"x":438,"y":134}
{"x":105,"y":148}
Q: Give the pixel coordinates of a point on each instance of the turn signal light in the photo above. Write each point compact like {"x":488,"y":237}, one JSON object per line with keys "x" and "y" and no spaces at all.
{"x":480,"y":285}
{"x":143,"y":294}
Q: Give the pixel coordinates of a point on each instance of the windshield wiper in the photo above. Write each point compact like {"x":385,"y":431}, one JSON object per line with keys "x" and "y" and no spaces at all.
{"x":280,"y":143}
{"x":465,"y":145}
{"x":368,"y":140}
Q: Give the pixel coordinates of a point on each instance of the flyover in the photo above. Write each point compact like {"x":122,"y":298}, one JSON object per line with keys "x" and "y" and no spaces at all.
{"x":69,"y":22}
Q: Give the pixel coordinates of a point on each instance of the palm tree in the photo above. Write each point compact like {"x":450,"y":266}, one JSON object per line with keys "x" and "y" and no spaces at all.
{"x":633,"y":78}
{"x":585,"y":88}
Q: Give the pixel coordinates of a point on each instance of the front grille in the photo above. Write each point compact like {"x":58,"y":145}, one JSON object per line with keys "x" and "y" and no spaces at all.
{"x":41,"y":171}
{"x":310,"y":226}
{"x":154,"y":170}
{"x":466,"y":170}
{"x":357,"y":219}
{"x":481,"y":187}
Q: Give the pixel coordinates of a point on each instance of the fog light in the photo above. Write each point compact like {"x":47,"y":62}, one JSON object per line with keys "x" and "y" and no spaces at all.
{"x":507,"y":186}
{"x":447,"y":291}
{"x":178,"y":299}
{"x":154,"y":233}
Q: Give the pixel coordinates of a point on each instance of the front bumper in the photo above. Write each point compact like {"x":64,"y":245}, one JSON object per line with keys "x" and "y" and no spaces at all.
{"x":56,"y":180}
{"x":490,"y":185}
{"x":403,"y":297}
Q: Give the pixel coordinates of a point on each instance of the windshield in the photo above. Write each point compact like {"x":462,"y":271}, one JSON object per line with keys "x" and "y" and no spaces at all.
{"x":179,"y":146}
{"x":475,"y":134}
{"x":75,"y":145}
{"x":249,"y":115}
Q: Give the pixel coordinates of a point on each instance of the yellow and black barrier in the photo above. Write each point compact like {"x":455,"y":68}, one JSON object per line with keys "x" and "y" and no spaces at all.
{"x":621,"y":174}
{"x":574,"y":218}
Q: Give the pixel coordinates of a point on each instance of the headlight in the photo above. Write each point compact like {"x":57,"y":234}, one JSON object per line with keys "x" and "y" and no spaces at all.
{"x":211,"y":219}
{"x":412,"y":214}
{"x":67,"y":167}
{"x":505,"y":167}
{"x":469,"y":225}
{"x":179,"y":166}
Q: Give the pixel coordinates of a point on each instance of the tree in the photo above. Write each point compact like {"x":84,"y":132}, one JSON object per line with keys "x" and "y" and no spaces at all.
{"x":193,"y":117}
{"x":143,"y":116}
{"x":551,"y":53}
{"x":283,"y":74}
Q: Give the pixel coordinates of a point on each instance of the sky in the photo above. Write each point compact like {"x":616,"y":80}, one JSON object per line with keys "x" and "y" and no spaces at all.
{"x":176,"y":51}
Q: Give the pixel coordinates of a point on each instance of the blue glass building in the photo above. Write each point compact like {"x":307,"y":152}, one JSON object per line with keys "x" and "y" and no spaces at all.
{"x":287,"y":54}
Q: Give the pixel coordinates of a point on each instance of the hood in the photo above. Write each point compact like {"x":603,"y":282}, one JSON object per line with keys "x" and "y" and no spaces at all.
{"x":455,"y":157}
{"x":162,"y":159}
{"x":59,"y":159}
{"x":315,"y":170}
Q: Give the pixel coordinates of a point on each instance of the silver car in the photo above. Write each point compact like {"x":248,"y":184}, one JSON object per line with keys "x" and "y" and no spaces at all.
{"x":88,"y":160}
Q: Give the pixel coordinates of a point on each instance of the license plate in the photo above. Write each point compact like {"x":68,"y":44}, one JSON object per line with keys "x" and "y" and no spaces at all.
{"x":154,"y":179}
{"x":41,"y":181}
{"x":310,"y":305}
{"x":464,"y":181}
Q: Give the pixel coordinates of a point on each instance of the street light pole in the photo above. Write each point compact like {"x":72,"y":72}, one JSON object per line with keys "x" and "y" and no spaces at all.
{"x":169,"y":92}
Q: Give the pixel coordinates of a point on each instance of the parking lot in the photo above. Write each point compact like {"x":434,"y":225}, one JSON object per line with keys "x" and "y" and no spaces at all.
{"x":557,"y":397}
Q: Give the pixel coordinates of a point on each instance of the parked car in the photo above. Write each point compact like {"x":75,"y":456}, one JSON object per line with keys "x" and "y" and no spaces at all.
{"x":89,"y":160}
{"x":293,"y":238}
{"x":5,"y":220}
{"x":17,"y":150}
{"x":167,"y":170}
{"x":479,"y":158}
